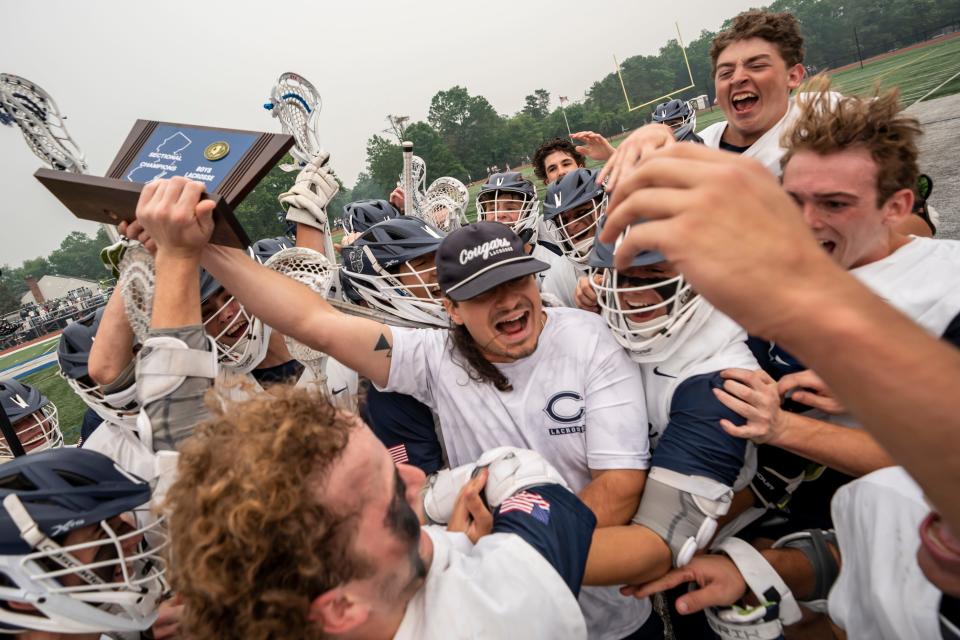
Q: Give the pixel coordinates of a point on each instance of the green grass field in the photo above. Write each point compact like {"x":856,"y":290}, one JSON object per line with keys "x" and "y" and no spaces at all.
{"x":69,"y":405}
{"x":34,"y":350}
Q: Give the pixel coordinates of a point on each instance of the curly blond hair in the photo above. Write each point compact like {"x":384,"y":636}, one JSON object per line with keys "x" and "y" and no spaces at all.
{"x":251,"y":546}
{"x":780,"y":29}
{"x":830,"y":123}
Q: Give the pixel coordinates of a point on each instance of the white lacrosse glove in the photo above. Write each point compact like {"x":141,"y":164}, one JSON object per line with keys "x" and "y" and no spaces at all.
{"x":313,"y":190}
{"x":510,"y":470}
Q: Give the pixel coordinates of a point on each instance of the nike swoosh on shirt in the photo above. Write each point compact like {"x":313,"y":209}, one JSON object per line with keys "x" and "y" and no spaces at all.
{"x":657,"y":371}
{"x":341,"y":390}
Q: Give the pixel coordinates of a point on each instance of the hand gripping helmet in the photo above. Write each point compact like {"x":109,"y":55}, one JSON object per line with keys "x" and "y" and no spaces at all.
{"x":72,"y":546}
{"x":116,"y":402}
{"x":32,"y":416}
{"x":264,"y":249}
{"x":575,"y":203}
{"x":243,"y":340}
{"x":646,"y":314}
{"x":370,"y":272}
{"x":511,"y":199}
{"x":361,"y":215}
{"x":679,"y":116}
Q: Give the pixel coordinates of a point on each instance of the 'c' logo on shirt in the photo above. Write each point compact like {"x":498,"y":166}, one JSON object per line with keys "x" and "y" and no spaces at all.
{"x":559,"y":411}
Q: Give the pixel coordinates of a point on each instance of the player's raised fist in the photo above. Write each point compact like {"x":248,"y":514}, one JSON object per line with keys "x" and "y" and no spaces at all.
{"x":175,"y":217}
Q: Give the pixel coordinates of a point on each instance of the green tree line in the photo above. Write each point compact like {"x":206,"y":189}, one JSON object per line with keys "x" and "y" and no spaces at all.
{"x":464,"y":134}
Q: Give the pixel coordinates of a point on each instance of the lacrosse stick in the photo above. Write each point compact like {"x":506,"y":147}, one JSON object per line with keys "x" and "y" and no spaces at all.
{"x":296,"y":104}
{"x":454,"y":190}
{"x":419,"y":182}
{"x":41,"y":122}
{"x":407,"y":178}
{"x":137,"y":283}
{"x":311,"y":268}
{"x":442,"y":212}
{"x":34,"y":111}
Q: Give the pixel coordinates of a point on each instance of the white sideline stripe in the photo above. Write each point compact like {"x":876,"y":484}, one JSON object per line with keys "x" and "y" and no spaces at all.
{"x":935,"y":88}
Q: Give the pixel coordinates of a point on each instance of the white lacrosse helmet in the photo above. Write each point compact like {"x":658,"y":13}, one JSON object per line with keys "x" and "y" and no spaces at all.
{"x":368,"y":277}
{"x":242,"y":343}
{"x":33,"y":417}
{"x":511,"y":199}
{"x":73,"y":550}
{"x":647,"y":339}
{"x":577,"y":189}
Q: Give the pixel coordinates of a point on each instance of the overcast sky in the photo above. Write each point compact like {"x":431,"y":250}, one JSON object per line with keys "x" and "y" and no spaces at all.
{"x":107,"y":63}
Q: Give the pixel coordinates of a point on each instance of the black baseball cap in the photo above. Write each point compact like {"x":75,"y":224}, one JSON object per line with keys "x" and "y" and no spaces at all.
{"x":480,"y":256}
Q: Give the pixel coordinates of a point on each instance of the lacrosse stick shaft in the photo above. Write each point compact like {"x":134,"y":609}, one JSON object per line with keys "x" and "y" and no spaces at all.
{"x":10,"y":434}
{"x":373,"y":314}
{"x":408,"y":194}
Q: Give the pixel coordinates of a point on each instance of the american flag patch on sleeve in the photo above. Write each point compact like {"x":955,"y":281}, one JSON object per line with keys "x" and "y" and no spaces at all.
{"x":528,"y":502}
{"x":399,"y":453}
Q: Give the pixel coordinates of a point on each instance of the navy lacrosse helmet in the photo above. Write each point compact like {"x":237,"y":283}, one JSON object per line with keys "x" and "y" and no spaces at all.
{"x":361,"y":215}
{"x":33,"y":416}
{"x":679,"y":116}
{"x":45,"y":498}
{"x":369,"y":271}
{"x":116,"y":402}
{"x":520,"y":211}
{"x":265,"y":248}
{"x":574,"y":191}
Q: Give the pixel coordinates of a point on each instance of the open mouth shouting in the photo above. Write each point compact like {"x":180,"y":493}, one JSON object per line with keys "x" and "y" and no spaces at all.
{"x":514,"y":326}
{"x":828,"y":245}
{"x":744,"y":102}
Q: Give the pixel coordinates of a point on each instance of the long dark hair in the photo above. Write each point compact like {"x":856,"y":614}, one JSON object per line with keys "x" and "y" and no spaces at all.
{"x":467,"y":354}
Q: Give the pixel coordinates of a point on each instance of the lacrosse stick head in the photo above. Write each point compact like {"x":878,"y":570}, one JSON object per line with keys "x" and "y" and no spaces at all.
{"x":418,"y":178}
{"x":295,"y":102}
{"x":41,"y":122}
{"x":311,"y":268}
{"x":442,"y":212}
{"x":136,"y":283}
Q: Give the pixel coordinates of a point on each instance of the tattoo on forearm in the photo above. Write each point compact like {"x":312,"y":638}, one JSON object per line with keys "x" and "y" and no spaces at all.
{"x":383,"y":345}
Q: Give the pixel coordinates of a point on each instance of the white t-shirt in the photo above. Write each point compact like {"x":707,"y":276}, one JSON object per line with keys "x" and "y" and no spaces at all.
{"x":578,"y":401}
{"x":766,"y":149}
{"x":881,"y":592}
{"x":499,"y":588}
{"x":919,"y":279}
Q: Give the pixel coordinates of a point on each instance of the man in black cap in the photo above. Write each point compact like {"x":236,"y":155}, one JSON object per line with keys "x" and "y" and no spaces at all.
{"x":508,"y":372}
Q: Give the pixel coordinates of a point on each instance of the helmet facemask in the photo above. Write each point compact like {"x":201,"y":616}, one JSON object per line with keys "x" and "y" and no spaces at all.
{"x":387,"y":292}
{"x":37,"y":431}
{"x":517,"y":210}
{"x":242,"y":343}
{"x":577,"y":229}
{"x":108,"y":577}
{"x":640,"y":327}
{"x":116,"y":403}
